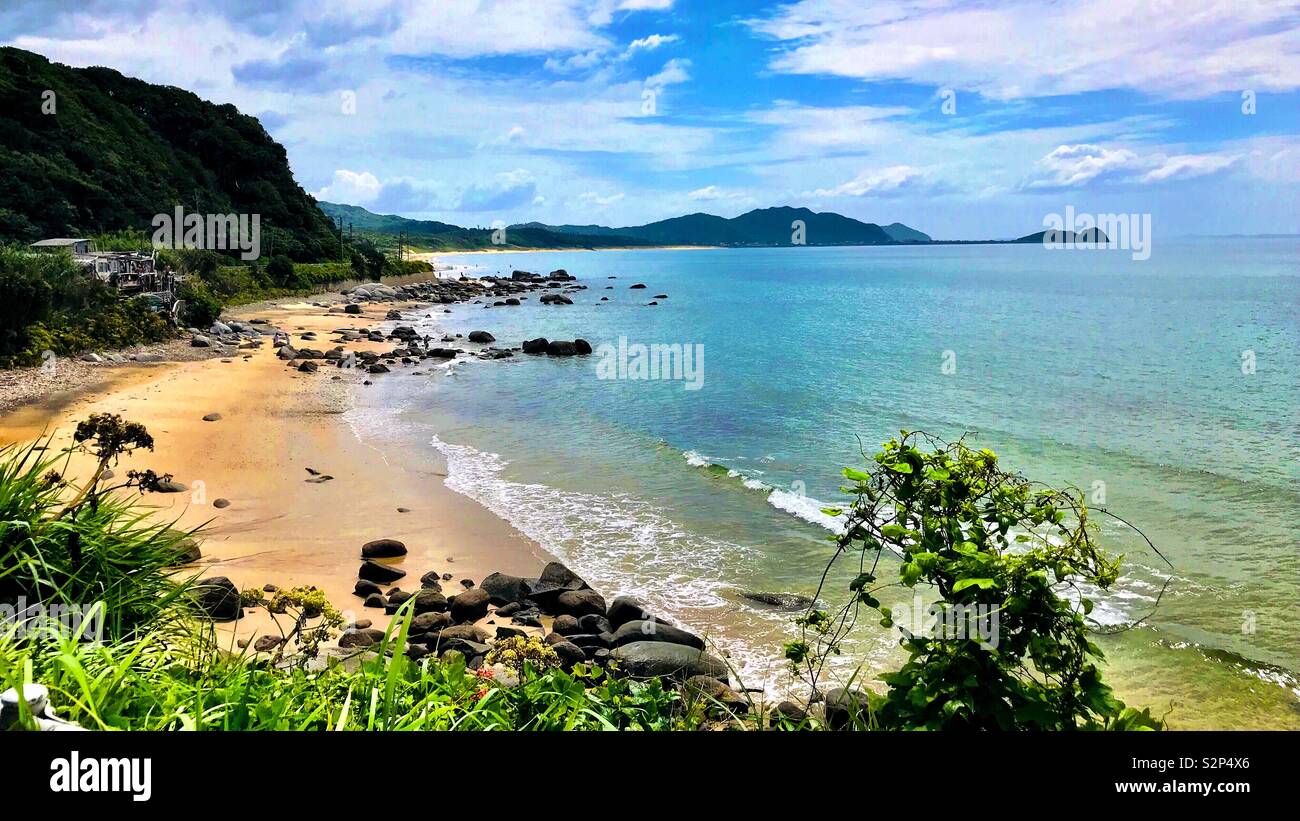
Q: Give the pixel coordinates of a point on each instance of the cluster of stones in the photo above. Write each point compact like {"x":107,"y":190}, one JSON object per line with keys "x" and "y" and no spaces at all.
{"x":228,"y":334}
{"x":503,"y":292}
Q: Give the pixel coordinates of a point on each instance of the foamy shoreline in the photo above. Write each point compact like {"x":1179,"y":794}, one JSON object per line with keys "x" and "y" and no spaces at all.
{"x":275,"y":423}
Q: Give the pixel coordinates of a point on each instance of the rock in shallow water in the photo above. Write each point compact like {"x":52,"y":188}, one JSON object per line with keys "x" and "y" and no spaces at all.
{"x":650,"y":659}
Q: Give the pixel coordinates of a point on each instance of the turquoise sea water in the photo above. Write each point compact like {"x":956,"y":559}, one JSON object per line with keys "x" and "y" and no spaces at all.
{"x":1077,"y":367}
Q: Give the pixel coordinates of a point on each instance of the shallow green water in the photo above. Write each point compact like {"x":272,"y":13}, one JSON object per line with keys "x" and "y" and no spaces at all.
{"x":1077,"y":367}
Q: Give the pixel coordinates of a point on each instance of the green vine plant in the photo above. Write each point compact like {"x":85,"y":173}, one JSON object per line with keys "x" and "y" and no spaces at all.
{"x":1000,"y":553}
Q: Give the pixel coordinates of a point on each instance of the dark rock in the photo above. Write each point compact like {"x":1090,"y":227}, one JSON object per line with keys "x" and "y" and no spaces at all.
{"x":650,"y":659}
{"x":558,"y":575}
{"x":429,"y":623}
{"x":383,"y":549}
{"x":637,"y":286}
{"x":569,"y":653}
{"x":380,"y":573}
{"x":791,"y":712}
{"x":503,"y":589}
{"x":267,"y":643}
{"x":432,"y":580}
{"x":221,"y":504}
{"x":587,"y":640}
{"x":361,"y":638}
{"x":504,"y":632}
{"x":429,"y":600}
{"x":715,"y":694}
{"x":582,"y":347}
{"x":580,"y":602}
{"x":537,"y":345}
{"x":481,"y":337}
{"x":844,"y":707}
{"x":376,"y":600}
{"x":595,"y":623}
{"x":470,"y":606}
{"x":170,"y":486}
{"x":214,"y":417}
{"x":508,"y":609}
{"x":218,"y":598}
{"x":365,"y":588}
{"x":378,"y":368}
{"x":561,"y":348}
{"x":566,"y":625}
{"x":625,"y":609}
{"x":639,"y":630}
{"x":785,"y":601}
{"x":307,"y":367}
{"x":398,"y":597}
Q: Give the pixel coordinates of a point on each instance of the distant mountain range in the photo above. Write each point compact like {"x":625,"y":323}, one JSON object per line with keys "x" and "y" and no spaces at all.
{"x":761,"y":227}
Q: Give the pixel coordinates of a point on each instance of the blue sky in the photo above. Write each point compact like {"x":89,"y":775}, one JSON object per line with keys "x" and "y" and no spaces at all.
{"x":965,"y":120}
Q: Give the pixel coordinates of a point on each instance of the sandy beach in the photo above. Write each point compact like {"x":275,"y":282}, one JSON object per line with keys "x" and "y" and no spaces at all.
{"x":276,"y":423}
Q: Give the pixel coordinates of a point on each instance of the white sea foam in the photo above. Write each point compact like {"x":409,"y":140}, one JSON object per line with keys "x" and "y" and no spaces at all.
{"x":806,"y":508}
{"x":695,"y":459}
{"x":620,"y":544}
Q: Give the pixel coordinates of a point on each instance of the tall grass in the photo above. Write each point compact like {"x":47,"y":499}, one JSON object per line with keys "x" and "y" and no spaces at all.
{"x":159,"y":667}
{"x":111,"y":553}
{"x":170,"y":679}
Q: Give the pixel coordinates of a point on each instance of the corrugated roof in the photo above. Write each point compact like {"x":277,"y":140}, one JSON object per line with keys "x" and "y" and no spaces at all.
{"x":58,"y":242}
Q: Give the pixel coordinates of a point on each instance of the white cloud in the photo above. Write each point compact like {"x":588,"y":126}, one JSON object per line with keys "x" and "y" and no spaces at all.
{"x":874,"y":181}
{"x":1187,"y":166}
{"x":651,"y":42}
{"x":673,"y":72}
{"x":1074,"y":164}
{"x":351,"y":187}
{"x":1071,"y":165}
{"x":1192,"y":48}
{"x":599,"y":200}
{"x":709,"y":192}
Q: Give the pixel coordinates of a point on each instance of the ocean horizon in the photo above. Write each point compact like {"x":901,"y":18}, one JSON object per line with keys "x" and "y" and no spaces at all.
{"x":1161,"y":389}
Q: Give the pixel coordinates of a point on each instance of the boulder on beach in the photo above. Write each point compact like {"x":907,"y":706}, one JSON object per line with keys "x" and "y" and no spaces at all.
{"x":569,"y":653}
{"x":503,"y":589}
{"x":560,"y":347}
{"x":639,"y":630}
{"x":470,"y":606}
{"x":429,"y":622}
{"x":383,"y":549}
{"x":380,"y":573}
{"x":212,"y":417}
{"x":218,"y":599}
{"x":624,"y":609}
{"x":481,"y":337}
{"x":429,"y":600}
{"x":267,"y":643}
{"x":653,"y":659}
{"x":364,"y":588}
{"x":580,"y":603}
{"x":845,"y":707}
{"x":537,"y":345}
{"x":361,"y":638}
{"x":352,"y":308}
